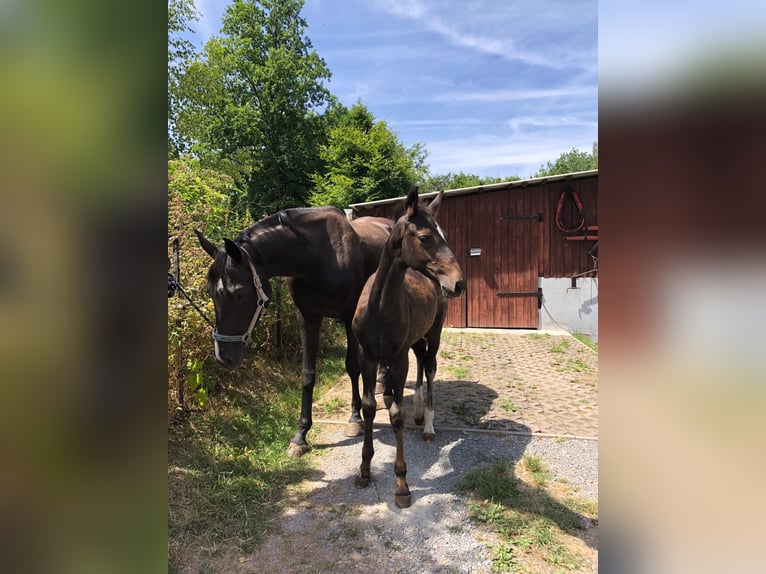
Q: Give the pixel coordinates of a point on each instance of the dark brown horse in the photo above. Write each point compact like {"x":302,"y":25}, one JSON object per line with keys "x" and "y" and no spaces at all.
{"x":326,"y":259}
{"x":401,"y":305}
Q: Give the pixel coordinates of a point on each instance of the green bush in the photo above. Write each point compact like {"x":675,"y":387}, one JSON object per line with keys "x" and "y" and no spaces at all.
{"x":201,"y":199}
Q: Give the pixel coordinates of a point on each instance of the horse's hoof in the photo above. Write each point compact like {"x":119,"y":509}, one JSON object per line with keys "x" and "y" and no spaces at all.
{"x":362,"y":482}
{"x":353,"y":429}
{"x":297,"y":450}
{"x":403,"y":500}
{"x":429,"y":437}
{"x":388,"y":400}
{"x":380,"y":388}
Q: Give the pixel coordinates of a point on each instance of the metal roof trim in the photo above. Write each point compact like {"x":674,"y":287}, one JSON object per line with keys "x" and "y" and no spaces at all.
{"x":484,"y":188}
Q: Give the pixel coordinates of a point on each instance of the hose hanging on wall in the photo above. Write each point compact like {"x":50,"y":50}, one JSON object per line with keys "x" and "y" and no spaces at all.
{"x":570,"y":193}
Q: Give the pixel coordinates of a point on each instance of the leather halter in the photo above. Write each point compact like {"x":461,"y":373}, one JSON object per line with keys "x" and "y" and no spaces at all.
{"x":260,"y":305}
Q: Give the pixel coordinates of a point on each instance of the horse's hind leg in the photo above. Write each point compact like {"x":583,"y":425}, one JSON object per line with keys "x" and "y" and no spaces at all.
{"x":354,"y":425}
{"x":419,"y":349}
{"x":429,"y":362}
{"x":428,"y":427}
{"x":397,"y":415}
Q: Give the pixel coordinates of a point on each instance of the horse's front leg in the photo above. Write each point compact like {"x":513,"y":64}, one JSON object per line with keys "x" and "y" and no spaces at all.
{"x":398,"y":416}
{"x":309,"y":325}
{"x":354,"y":426}
{"x":369,"y":407}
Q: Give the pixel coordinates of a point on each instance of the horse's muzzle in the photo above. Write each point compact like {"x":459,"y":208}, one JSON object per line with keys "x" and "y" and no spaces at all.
{"x":457,"y":291}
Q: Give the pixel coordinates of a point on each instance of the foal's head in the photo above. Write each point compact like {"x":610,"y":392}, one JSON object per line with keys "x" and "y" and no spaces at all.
{"x":233,"y":282}
{"x":424,"y":246}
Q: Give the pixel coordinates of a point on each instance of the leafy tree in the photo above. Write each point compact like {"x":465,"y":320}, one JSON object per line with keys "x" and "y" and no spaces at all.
{"x":569,"y":162}
{"x":208,"y":196}
{"x":363,"y":160}
{"x":180,"y":52}
{"x":253,"y":100}
{"x":458,"y":180}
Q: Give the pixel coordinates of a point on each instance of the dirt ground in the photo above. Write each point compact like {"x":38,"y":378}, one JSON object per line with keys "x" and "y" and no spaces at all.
{"x":498,"y":395}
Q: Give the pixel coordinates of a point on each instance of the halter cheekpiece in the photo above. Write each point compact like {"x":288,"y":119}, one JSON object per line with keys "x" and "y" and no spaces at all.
{"x":260,"y":305}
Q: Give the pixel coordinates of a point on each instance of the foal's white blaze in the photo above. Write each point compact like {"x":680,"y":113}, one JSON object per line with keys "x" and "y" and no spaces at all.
{"x":219,"y":285}
{"x":428,"y":425}
{"x":439,"y":229}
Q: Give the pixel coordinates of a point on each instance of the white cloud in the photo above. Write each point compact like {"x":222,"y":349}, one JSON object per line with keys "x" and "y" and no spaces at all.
{"x":511,"y":95}
{"x":499,"y":156}
{"x":545,"y":34}
{"x":549,"y":121}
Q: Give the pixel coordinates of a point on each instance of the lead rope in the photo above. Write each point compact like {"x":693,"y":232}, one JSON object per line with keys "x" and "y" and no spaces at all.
{"x":174,"y":285}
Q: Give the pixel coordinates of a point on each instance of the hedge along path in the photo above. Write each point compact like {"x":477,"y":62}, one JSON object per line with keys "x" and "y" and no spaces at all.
{"x":521,"y":382}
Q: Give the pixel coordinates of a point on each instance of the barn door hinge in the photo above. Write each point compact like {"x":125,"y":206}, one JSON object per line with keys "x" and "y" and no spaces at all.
{"x":538,"y":294}
{"x":537,"y":217}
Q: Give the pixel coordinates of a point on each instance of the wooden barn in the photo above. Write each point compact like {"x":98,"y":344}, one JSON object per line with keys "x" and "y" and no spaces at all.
{"x":528,"y":250}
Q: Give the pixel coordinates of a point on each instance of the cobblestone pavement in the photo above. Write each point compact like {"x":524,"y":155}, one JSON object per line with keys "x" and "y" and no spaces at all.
{"x":503,"y":380}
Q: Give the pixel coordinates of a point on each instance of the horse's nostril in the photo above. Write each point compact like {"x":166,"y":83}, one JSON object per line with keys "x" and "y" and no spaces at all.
{"x":459,"y":287}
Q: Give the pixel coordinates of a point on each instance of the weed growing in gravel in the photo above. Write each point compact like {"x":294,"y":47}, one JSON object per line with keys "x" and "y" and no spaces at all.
{"x":333,"y":406}
{"x":533,"y":525}
{"x":586,"y":341}
{"x":535,"y":466}
{"x":459,"y":372}
{"x":579,"y":366}
{"x":559,"y":346}
{"x":537,"y":336}
{"x":508,"y":405}
{"x":465,"y":413}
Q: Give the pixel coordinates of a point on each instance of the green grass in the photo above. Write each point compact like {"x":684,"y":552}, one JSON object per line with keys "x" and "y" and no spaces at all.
{"x":531,"y":524}
{"x":586,"y":341}
{"x":228,"y":468}
{"x":333,"y":406}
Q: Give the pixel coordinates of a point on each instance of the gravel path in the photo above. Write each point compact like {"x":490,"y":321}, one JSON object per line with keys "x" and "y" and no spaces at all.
{"x":329,"y":525}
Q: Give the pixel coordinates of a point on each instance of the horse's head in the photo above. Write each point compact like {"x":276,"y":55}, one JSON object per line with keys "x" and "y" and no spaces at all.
{"x":239,"y":292}
{"x":424,"y":246}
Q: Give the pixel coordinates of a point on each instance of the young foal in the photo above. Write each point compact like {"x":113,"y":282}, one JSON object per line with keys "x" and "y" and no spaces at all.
{"x":398,"y":308}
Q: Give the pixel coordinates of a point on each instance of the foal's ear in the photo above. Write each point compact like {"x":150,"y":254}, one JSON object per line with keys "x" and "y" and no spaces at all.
{"x":234,"y":250}
{"x":209,"y":248}
{"x":411,"y":203}
{"x":436,"y":203}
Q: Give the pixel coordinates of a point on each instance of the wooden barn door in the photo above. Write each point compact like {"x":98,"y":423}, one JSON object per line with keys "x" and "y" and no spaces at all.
{"x":501,"y":267}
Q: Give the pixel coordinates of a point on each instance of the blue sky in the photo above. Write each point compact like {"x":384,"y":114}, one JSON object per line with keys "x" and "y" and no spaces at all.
{"x":490,"y":87}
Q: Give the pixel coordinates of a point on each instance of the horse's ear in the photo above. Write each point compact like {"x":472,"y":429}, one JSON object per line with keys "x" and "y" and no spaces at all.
{"x":436,"y":204}
{"x":411,"y":203}
{"x":209,"y":248}
{"x":234,"y":251}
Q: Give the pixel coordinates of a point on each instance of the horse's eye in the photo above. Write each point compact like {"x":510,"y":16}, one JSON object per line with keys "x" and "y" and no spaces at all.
{"x":424,"y":239}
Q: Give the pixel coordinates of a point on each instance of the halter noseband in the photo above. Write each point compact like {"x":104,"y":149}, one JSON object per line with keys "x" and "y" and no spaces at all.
{"x":259,"y":307}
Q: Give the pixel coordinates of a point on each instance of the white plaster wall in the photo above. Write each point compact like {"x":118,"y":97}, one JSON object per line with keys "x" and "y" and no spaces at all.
{"x":575,"y":310}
